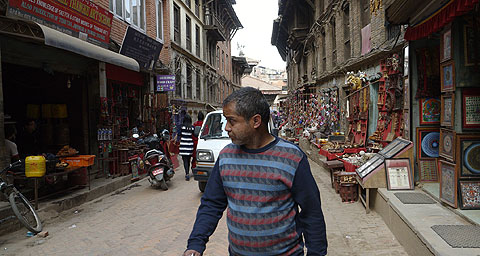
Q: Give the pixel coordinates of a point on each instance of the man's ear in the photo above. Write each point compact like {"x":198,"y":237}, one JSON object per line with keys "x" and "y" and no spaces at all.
{"x":257,"y":121}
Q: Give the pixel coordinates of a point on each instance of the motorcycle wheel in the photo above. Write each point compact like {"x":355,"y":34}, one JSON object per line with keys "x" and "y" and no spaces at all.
{"x":163,"y":184}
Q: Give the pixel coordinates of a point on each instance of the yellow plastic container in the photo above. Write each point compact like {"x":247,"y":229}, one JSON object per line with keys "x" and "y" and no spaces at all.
{"x":35,"y":166}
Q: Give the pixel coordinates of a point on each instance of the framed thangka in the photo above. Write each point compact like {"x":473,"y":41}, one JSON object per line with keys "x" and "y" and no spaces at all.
{"x":430,"y":111}
{"x":428,"y":139}
{"x":447,"y":116}
{"x":446,"y":45}
{"x":471,"y":108}
{"x":447,"y":144}
{"x":448,"y":183}
{"x":468,"y":155}
{"x":469,"y":45}
{"x":447,"y":76}
{"x":469,"y":194}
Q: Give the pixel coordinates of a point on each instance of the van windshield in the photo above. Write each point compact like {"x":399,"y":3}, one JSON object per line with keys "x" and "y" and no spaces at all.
{"x":214,"y":127}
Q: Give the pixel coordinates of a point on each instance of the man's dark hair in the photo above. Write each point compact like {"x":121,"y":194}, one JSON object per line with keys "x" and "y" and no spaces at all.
{"x":9,"y":131}
{"x":200,"y":116}
{"x":187,"y":120}
{"x":249,"y":102}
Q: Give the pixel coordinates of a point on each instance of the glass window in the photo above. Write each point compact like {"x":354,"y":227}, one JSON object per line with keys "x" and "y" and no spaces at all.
{"x":176,"y":23}
{"x":159,"y":19}
{"x":197,"y":40}
{"x":198,"y":84}
{"x":132,"y":11}
{"x":188,"y":27}
{"x":214,"y":127}
{"x":189,"y":81}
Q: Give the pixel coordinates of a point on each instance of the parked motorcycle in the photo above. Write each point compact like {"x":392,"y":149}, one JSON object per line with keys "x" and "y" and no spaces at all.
{"x":160,"y":169}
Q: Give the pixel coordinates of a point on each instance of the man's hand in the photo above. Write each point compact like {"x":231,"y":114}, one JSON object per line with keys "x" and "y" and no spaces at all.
{"x":191,"y":253}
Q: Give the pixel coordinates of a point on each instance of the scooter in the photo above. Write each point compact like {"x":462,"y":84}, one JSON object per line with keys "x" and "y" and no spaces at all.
{"x":160,"y":169}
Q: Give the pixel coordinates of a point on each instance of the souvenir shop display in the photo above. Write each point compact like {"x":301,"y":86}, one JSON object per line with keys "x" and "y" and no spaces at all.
{"x":448,"y":183}
{"x":317,"y":114}
{"x":428,"y":72}
{"x":470,"y":108}
{"x":467,"y":152}
{"x":390,"y":123}
{"x":356,"y":86}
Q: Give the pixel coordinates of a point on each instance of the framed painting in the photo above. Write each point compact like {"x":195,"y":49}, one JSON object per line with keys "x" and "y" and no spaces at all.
{"x":467,"y":155}
{"x":471,"y":108}
{"x":447,"y":76}
{"x":469,"y":45}
{"x":399,"y":175}
{"x":447,"y":144}
{"x":447,"y":115}
{"x":428,"y":170}
{"x":430,"y":111}
{"x":446,"y":45}
{"x":469,"y":194}
{"x":448,"y":183}
{"x":428,"y":141}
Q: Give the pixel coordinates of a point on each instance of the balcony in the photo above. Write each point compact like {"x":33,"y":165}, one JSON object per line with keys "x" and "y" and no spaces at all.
{"x":214,"y":28}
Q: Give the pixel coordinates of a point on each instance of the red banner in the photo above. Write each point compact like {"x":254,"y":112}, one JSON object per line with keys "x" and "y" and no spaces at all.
{"x":81,"y":18}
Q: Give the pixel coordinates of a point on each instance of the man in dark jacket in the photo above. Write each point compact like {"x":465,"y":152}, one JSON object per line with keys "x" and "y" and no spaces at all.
{"x":263,"y":180}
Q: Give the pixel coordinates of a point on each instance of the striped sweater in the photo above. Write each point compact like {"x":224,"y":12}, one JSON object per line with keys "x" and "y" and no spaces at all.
{"x":186,"y":141}
{"x":262,"y":189}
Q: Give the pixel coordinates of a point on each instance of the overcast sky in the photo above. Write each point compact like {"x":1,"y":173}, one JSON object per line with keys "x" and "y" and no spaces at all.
{"x":257,"y":18}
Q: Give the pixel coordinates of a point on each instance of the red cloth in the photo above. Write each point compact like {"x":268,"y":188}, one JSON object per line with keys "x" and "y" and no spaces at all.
{"x":439,"y":20}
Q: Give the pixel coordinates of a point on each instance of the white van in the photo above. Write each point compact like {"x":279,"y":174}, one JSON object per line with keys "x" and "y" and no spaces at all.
{"x":212,"y":139}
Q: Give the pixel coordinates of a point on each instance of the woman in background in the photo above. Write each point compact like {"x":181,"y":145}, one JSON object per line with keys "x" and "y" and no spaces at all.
{"x":197,"y":126}
{"x":186,"y":144}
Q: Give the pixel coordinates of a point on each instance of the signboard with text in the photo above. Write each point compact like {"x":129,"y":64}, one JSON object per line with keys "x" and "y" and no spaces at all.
{"x":141,"y":47}
{"x":165,"y":83}
{"x":79,"y":18}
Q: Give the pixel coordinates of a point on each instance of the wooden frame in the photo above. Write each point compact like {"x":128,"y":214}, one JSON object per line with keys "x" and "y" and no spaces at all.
{"x":428,"y":170}
{"x":447,"y":144}
{"x":469,"y":44}
{"x":399,"y":174}
{"x":468,"y":148}
{"x":448,"y":183}
{"x":422,"y":132}
{"x":470,"y":108}
{"x":447,"y":115}
{"x":469,"y":191}
{"x":430,"y":110}
{"x":447,"y":76}
{"x":446,"y":45}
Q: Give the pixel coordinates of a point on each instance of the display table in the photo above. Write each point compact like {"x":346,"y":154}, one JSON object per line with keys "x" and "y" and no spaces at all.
{"x":68,"y":170}
{"x":333,"y":166}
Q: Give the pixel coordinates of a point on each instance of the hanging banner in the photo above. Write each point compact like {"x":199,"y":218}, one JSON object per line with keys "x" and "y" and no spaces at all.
{"x":78,"y":18}
{"x":165,"y":83}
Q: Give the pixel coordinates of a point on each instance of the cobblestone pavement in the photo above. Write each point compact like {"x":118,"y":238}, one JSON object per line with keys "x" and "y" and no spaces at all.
{"x":141,"y":220}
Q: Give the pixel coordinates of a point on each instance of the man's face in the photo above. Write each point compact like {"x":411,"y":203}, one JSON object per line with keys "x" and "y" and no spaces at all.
{"x":239,"y":129}
{"x":30,"y":127}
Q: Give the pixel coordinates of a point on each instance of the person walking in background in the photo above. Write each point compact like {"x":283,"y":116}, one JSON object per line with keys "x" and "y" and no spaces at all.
{"x":186,"y":144}
{"x":264,"y":181}
{"x":197,"y":126}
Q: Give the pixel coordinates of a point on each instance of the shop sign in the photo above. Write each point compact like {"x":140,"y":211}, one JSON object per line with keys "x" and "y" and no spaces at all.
{"x":165,"y":83}
{"x":79,"y":18}
{"x":141,"y":47}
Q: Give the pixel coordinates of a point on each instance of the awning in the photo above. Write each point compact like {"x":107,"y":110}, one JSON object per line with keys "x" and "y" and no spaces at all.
{"x":63,"y":41}
{"x":426,"y":17}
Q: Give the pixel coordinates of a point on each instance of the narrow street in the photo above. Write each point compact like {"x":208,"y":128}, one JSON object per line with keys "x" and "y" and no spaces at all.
{"x":140,"y":220}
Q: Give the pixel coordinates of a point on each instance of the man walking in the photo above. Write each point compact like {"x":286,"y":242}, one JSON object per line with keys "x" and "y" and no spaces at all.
{"x":263,"y":180}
